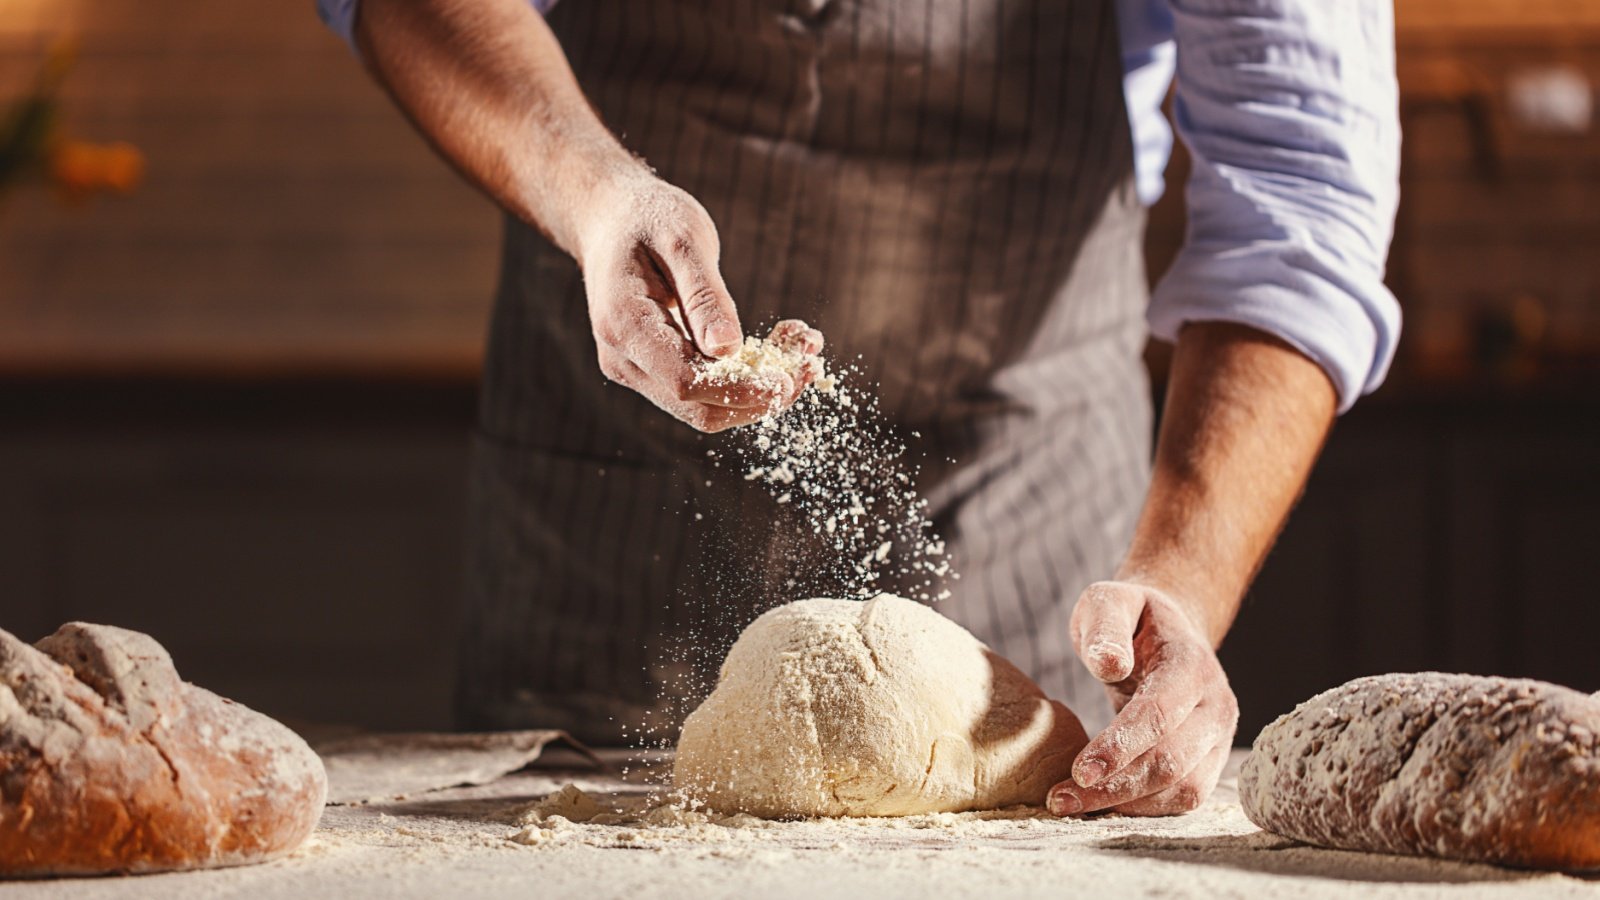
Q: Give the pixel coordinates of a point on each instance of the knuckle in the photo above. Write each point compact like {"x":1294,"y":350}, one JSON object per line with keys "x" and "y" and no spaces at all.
{"x":680,"y":244}
{"x":704,"y":297}
{"x":1182,"y":655}
{"x":698,"y":417}
{"x":620,"y":372}
{"x":1187,"y":796}
{"x":788,"y":333}
{"x":1156,"y":718}
{"x":683,"y":387}
{"x":1164,"y":766}
{"x":692,"y":214}
{"x":1105,"y":594}
{"x":1100,"y":589}
{"x":1230,"y":709}
{"x":610,"y":329}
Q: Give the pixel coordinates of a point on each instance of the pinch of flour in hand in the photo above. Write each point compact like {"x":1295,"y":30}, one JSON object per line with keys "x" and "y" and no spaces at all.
{"x":767,"y":364}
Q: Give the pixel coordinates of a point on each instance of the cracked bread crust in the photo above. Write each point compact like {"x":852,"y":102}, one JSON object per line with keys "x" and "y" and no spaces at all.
{"x":1455,"y":766}
{"x":109,"y":762}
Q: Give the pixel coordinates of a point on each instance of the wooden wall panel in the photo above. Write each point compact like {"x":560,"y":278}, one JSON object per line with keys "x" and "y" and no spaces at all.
{"x":290,"y":220}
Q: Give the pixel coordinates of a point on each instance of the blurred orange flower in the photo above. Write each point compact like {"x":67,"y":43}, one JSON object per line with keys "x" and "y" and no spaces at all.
{"x":80,"y":169}
{"x":32,"y":141}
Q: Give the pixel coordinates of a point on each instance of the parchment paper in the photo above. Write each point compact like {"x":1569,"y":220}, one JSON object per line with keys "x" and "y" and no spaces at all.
{"x":375,"y":767}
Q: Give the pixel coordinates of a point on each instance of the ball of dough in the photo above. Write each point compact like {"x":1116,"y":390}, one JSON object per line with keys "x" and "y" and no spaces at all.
{"x":878,"y":708}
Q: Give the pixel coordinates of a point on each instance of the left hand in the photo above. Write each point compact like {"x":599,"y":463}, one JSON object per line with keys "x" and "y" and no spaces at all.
{"x":1176,"y":715}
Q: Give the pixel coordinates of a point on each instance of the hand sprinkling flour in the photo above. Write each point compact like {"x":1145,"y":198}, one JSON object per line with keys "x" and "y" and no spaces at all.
{"x":783,"y":364}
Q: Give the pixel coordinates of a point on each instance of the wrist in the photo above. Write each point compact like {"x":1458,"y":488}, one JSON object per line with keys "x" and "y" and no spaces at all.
{"x":584,"y":179}
{"x":611,"y":193}
{"x":1205,"y":605}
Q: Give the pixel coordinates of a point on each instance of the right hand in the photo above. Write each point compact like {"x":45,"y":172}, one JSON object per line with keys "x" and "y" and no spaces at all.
{"x":651,"y":250}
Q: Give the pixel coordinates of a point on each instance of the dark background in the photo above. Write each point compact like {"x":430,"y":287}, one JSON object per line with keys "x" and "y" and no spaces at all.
{"x":234,"y":405}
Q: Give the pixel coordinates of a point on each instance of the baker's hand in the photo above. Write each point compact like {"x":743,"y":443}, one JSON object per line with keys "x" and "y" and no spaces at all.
{"x":649,"y":257}
{"x":1176,"y":715}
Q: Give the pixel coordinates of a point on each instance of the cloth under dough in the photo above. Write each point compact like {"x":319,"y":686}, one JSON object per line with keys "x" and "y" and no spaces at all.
{"x":879,"y":708}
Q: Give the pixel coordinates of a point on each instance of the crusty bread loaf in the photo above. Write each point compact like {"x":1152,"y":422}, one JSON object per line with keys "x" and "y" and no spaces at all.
{"x":1454,"y":766}
{"x":109,"y":762}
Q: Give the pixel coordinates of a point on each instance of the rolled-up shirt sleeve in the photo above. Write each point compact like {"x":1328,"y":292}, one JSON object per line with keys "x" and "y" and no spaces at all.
{"x":1290,"y":112}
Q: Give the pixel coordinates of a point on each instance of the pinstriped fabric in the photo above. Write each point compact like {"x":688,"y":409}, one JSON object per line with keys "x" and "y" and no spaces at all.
{"x":944,"y":187}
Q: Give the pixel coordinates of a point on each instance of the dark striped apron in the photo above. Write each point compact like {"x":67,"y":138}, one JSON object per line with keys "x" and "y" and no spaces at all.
{"x":945,"y":189}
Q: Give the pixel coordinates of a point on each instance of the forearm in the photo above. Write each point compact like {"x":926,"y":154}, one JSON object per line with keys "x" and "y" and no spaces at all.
{"x":486,"y":82}
{"x":1245,"y":418}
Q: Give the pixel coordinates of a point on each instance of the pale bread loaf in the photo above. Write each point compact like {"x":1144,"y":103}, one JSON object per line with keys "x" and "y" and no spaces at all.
{"x":109,"y":762}
{"x":1456,"y":766}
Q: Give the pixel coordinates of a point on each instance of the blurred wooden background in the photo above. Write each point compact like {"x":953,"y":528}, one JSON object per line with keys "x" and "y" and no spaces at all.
{"x":291,"y":222}
{"x":233,"y":406}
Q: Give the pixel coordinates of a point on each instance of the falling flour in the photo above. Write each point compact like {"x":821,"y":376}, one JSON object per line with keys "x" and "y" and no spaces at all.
{"x":845,"y":517}
{"x":833,"y":459}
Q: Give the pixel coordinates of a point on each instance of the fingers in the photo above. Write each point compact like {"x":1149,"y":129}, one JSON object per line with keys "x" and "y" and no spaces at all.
{"x":702,"y":416}
{"x":1188,"y":793}
{"x":1165,"y":749}
{"x":638,"y":348}
{"x":1103,"y":626}
{"x":673,"y":363}
{"x":691,"y":267}
{"x":1164,"y":699}
{"x":796,"y":336}
{"x":793,"y":334}
{"x":632,"y":324}
{"x":1162,"y":767}
{"x":659,"y":307}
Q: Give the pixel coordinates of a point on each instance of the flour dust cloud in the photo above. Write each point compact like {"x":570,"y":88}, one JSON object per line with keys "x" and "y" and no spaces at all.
{"x":841,"y":517}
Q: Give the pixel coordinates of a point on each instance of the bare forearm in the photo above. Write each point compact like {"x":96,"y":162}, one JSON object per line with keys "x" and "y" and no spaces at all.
{"x":486,"y":82}
{"x":1245,"y":418}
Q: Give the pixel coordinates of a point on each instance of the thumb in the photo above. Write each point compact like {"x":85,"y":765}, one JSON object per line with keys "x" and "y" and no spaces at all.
{"x":1103,"y":624}
{"x":708,"y":311}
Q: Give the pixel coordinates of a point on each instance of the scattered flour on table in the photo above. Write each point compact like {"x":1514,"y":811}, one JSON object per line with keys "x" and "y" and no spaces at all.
{"x":666,"y":821}
{"x":458,"y":842}
{"x":1221,"y":853}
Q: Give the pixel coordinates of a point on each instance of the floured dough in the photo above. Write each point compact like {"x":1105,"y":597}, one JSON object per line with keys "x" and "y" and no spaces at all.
{"x":877,"y":708}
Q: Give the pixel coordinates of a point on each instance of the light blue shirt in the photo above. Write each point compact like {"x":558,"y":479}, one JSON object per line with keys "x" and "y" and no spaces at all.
{"x":1290,"y":112}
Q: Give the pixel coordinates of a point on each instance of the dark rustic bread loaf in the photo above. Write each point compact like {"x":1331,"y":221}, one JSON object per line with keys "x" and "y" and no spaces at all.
{"x":1454,"y":766}
{"x":109,"y":762}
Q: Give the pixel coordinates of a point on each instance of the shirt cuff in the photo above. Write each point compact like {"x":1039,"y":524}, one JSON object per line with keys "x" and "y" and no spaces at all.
{"x":1293,"y":293}
{"x":340,"y":17}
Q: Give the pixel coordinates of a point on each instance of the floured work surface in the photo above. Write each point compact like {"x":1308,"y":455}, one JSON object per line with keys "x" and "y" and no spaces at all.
{"x":458,"y":843}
